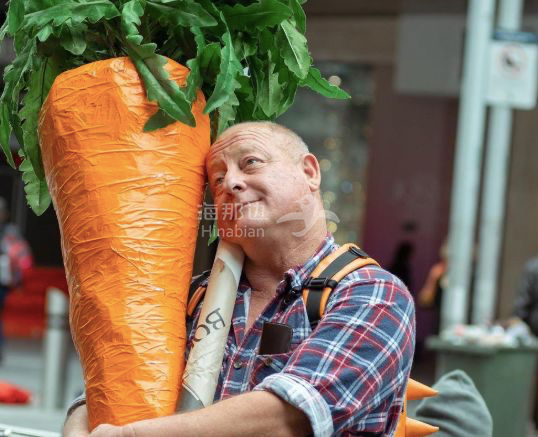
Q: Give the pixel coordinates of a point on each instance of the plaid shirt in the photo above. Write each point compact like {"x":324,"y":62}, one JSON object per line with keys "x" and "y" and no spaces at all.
{"x":349,"y":374}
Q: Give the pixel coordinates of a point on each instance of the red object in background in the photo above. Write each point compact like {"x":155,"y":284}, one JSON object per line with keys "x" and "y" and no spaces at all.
{"x":11,"y":394}
{"x":24,"y":311}
{"x":16,"y":159}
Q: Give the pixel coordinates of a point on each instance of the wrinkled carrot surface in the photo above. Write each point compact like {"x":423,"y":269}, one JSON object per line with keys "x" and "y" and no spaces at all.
{"x":127,"y":204}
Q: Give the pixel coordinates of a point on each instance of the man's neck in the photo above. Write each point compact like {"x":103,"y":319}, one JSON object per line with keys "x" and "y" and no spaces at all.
{"x":268,"y":258}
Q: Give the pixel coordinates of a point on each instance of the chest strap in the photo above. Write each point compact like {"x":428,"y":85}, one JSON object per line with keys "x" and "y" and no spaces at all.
{"x":317,"y":288}
{"x":325,"y":277}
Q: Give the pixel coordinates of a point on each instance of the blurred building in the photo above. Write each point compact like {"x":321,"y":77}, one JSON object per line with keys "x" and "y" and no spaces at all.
{"x":402,"y":60}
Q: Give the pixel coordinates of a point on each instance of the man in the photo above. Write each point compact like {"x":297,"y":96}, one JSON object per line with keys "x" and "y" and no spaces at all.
{"x":348,"y":376}
{"x":526,"y":304}
{"x":15,"y":260}
{"x":526,"y":310}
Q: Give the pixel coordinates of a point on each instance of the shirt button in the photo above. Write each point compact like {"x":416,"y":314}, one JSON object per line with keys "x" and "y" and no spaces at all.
{"x":237,"y":365}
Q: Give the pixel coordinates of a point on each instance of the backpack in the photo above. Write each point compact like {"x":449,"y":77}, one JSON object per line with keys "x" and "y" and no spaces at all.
{"x":316,"y":289}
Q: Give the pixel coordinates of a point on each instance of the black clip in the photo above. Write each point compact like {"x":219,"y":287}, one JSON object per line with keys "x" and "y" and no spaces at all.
{"x":319,"y":283}
{"x":358,"y":252}
{"x":291,"y":295}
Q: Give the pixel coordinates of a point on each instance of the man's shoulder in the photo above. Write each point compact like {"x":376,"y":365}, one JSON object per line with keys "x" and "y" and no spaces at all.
{"x":374,"y":285}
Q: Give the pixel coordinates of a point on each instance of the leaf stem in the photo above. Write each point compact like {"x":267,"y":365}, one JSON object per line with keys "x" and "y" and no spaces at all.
{"x":43,"y":81}
{"x":111,"y":36}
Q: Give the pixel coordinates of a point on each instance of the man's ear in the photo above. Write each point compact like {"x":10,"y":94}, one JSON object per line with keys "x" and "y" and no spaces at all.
{"x":312,"y":171}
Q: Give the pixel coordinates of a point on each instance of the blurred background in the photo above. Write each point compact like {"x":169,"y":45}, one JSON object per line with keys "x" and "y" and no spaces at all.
{"x":397,"y":172}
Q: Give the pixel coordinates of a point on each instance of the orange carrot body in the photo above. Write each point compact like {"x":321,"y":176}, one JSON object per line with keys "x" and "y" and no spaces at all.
{"x":127,"y":204}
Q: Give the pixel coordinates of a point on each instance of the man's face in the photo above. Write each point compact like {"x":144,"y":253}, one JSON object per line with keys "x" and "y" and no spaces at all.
{"x":253,"y":181}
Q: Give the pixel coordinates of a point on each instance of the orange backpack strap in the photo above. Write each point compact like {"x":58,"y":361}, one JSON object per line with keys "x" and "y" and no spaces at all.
{"x":316,"y":289}
{"x":325,"y":277}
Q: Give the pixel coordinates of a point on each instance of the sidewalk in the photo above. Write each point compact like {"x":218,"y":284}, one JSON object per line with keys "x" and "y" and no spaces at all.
{"x":23,"y":366}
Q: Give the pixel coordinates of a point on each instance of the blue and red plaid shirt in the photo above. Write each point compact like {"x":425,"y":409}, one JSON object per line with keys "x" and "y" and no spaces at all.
{"x":349,"y":374}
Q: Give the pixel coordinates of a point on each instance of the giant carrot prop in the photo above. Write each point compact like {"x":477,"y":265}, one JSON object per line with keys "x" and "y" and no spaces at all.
{"x":123,"y":130}
{"x":408,"y":427}
{"x":128,"y":232}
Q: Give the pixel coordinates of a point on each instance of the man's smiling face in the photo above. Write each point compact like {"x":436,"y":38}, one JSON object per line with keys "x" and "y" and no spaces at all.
{"x":254,"y":179}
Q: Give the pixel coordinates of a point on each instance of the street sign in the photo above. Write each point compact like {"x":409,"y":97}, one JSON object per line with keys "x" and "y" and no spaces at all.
{"x":513,"y":72}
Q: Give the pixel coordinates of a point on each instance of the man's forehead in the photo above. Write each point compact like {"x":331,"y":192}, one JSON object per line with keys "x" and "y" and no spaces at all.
{"x":236,"y":142}
{"x":239,"y":147}
{"x":245,"y":134}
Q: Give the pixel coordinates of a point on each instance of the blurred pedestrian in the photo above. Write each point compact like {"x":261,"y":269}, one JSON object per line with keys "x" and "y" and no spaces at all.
{"x":401,"y":263}
{"x":15,"y":260}
{"x":526,"y":310}
{"x":431,"y":294}
{"x":526,"y":304}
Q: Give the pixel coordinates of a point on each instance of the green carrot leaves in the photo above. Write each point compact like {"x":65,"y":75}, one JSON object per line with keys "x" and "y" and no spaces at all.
{"x":265,"y":13}
{"x":293,"y":49}
{"x":230,"y":67}
{"x":247,"y":57}
{"x":37,"y":193}
{"x":74,"y":12}
{"x":316,"y":82}
{"x":40,"y":81}
{"x":171,"y":99}
{"x":180,"y":13}
{"x":5,"y":132}
{"x":15,"y":15}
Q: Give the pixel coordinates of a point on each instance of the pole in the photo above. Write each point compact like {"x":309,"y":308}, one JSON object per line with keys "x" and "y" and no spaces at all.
{"x":466,"y":177}
{"x":55,"y":350}
{"x":494,"y":191}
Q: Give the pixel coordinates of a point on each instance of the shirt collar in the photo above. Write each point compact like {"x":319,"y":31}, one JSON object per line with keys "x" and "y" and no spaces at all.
{"x":298,"y":274}
{"x":295,"y":276}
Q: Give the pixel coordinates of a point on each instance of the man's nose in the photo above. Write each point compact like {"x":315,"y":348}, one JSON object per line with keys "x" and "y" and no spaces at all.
{"x":234,"y":183}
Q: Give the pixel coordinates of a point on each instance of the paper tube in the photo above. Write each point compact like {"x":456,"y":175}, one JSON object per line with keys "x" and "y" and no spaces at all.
{"x":205,"y":359}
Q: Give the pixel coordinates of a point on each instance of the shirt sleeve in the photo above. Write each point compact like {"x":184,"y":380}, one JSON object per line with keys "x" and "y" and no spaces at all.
{"x":349,"y":375}
{"x":77,"y":402}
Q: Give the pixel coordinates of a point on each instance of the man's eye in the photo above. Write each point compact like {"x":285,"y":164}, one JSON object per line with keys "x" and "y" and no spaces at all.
{"x":219,"y":181}
{"x":250,"y":161}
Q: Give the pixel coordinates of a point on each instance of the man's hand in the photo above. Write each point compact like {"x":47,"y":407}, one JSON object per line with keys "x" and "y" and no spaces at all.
{"x":76,"y":425}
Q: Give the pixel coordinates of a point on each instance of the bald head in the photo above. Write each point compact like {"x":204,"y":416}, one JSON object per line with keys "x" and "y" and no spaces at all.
{"x":264,"y":171}
{"x":287,"y":140}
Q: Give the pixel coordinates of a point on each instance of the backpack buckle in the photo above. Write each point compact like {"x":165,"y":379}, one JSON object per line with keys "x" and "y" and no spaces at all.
{"x":319,"y":283}
{"x":293,"y":293}
{"x":358,"y":252}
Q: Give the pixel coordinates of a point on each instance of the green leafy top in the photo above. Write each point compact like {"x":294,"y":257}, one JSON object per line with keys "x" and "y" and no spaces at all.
{"x":248,"y":57}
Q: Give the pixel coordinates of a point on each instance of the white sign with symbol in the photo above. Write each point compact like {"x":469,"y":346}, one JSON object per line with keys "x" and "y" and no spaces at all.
{"x":513,"y":72}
